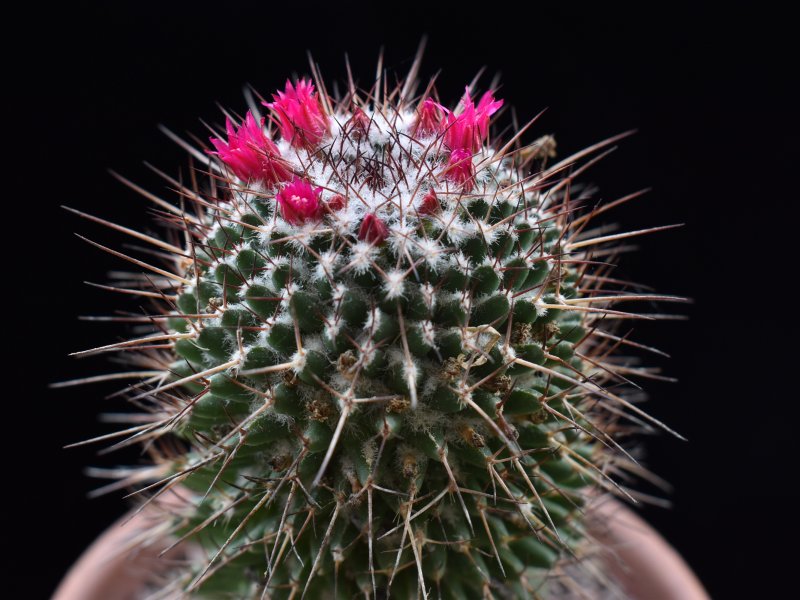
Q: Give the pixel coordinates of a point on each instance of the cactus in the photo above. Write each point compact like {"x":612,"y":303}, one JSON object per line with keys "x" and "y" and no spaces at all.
{"x":382,"y":358}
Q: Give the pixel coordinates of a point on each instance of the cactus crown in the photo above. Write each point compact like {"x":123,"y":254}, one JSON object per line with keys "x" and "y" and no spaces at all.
{"x":387,"y":355}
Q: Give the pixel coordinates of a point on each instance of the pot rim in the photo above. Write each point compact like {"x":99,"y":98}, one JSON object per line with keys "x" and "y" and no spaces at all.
{"x":641,"y":562}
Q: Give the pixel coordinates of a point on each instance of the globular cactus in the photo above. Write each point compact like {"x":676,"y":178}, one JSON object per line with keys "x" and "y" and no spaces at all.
{"x":383,"y":359}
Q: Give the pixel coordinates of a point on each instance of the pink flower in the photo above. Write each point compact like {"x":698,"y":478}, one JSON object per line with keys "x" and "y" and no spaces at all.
{"x":299,"y":114}
{"x":250,"y":154}
{"x":373,"y":230}
{"x":299,"y":202}
{"x":460,"y":169}
{"x":429,"y":205}
{"x":430,"y":118}
{"x":470,"y":128}
{"x":337,"y":202}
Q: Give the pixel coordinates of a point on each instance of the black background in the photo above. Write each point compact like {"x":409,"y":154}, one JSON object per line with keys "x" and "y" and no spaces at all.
{"x":707,"y":88}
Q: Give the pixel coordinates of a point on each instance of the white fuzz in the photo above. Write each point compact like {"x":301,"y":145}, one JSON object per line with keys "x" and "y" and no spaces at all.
{"x":368,"y":353}
{"x":394,"y":284}
{"x":325,"y":267}
{"x":284,"y":318}
{"x":380,"y":130}
{"x":430,"y":250}
{"x":401,"y":234}
{"x":238,"y":356}
{"x":339,"y":290}
{"x":372,"y":322}
{"x":459,"y":261}
{"x":265,"y":327}
{"x":457,"y":230}
{"x":299,"y":361}
{"x":428,"y":333}
{"x":344,"y":222}
{"x":287,"y":295}
{"x":465,"y":300}
{"x":332,"y":327}
{"x":362,"y":255}
{"x":488,"y":233}
{"x":272,"y":266}
{"x":541,"y":309}
{"x":428,"y":295}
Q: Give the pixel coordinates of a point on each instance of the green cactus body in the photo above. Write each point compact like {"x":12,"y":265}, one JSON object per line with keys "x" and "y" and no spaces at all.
{"x":385,"y":382}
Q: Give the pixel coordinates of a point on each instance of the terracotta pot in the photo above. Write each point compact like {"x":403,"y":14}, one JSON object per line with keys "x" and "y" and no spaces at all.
{"x":110,"y":569}
{"x":640,"y":561}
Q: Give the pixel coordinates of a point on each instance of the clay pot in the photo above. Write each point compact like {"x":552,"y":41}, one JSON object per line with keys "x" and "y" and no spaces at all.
{"x":109,"y":569}
{"x":640,"y":561}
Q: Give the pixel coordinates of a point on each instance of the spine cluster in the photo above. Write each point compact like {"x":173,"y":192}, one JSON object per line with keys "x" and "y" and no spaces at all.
{"x":385,"y":367}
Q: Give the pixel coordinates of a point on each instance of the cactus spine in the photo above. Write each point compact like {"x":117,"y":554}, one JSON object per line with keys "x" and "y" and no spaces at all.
{"x":385,"y":366}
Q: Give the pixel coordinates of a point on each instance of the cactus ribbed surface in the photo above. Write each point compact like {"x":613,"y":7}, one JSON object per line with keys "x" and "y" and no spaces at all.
{"x":385,"y":368}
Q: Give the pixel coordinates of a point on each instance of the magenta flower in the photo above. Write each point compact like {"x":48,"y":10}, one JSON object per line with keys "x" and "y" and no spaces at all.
{"x":373,"y":230}
{"x":299,"y":202}
{"x":299,"y":114}
{"x":337,"y":202}
{"x":430,"y":118}
{"x":460,"y":169}
{"x":429,"y":205}
{"x":470,"y":128}
{"x":250,"y":154}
